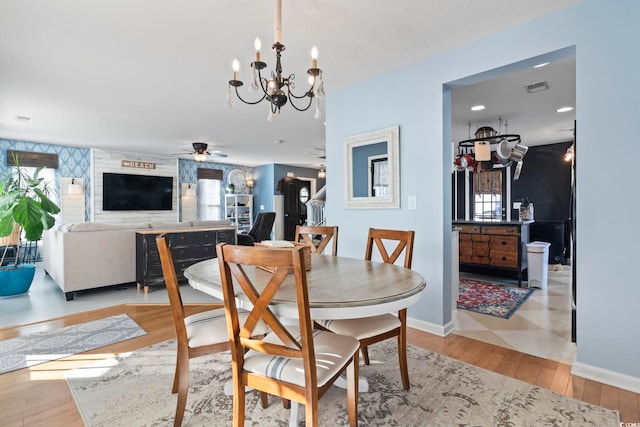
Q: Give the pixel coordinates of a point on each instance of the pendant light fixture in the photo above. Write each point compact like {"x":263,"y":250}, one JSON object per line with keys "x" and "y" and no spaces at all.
{"x":278,"y":89}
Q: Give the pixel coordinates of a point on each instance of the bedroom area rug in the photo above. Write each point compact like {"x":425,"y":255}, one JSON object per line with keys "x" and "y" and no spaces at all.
{"x":490,"y":298}
{"x":135,"y":390}
{"x":34,"y":349}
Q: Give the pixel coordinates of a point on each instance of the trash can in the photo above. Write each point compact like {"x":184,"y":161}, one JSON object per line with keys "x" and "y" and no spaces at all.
{"x":538,"y":264}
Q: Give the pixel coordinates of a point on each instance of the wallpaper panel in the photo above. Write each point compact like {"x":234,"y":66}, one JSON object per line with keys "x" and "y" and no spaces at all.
{"x":73,"y":162}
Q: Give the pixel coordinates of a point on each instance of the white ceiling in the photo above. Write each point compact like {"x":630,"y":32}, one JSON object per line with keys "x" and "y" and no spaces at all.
{"x":150,"y":76}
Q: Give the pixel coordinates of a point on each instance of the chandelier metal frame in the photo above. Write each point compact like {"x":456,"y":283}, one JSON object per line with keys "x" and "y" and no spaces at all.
{"x":279,"y":88}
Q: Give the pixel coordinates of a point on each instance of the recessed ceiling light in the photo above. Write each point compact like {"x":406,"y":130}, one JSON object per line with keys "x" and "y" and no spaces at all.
{"x":564,"y":109}
{"x":541,"y":65}
{"x":478,"y":108}
{"x":23,"y":118}
{"x":278,"y":141}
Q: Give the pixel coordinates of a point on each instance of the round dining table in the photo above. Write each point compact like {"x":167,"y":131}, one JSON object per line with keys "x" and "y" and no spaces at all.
{"x":338,"y":287}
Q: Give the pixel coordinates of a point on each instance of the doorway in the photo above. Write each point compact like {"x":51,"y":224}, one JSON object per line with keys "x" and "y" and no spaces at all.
{"x":538,"y":325}
{"x":296,"y":194}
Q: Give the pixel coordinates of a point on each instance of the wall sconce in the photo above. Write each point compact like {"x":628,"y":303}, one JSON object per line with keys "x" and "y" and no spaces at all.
{"x":74,"y":188}
{"x":190,"y":191}
{"x":568,"y":156}
{"x":250,"y":184}
{"x":322,"y":174}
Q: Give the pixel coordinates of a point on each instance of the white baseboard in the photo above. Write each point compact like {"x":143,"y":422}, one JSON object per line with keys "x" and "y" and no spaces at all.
{"x":615,"y":379}
{"x":431,"y":328}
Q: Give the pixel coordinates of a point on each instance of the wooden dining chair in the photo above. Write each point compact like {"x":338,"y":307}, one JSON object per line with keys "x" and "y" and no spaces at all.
{"x":293,"y":362}
{"x":308,"y":234}
{"x":197,"y":335}
{"x":370,"y":330}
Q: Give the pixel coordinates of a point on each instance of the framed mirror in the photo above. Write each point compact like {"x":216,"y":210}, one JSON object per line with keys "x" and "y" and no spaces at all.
{"x":372,"y":170}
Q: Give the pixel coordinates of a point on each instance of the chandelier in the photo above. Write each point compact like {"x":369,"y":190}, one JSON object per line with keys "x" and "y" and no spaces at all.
{"x":279,"y":89}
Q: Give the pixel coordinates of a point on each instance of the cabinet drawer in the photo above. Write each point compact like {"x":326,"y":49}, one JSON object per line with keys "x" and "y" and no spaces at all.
{"x":504,"y":259}
{"x":227,"y":236}
{"x":504,"y":243}
{"x":192,"y":238}
{"x":469,"y":228}
{"x":513,"y":230}
{"x":200,"y":251}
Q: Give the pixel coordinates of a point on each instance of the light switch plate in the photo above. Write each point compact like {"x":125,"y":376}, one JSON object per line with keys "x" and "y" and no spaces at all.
{"x":412,"y":203}
{"x":261,"y":207}
{"x":516,"y":205}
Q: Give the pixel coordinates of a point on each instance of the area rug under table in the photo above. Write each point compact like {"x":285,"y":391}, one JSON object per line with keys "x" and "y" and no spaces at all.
{"x":135,"y":390}
{"x":491,"y":298}
{"x":34,"y":349}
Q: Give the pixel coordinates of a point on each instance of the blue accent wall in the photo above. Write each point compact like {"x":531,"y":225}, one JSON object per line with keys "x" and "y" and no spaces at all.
{"x":73,"y":162}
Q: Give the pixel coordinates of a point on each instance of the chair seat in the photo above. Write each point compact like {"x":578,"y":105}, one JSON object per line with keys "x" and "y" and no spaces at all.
{"x":210,"y":327}
{"x":331,"y":350}
{"x":362,"y":328}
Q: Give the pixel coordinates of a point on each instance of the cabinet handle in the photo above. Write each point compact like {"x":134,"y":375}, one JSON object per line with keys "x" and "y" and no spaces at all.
{"x":504,"y":243}
{"x":504,"y":258}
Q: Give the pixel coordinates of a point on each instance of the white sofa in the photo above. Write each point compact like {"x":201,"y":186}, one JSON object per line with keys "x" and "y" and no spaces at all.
{"x":89,"y":255}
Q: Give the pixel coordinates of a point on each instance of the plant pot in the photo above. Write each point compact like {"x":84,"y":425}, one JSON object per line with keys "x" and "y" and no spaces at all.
{"x":16,"y":280}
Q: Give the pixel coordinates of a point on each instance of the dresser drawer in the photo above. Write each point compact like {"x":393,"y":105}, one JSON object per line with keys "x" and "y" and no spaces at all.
{"x":469,"y":228}
{"x":504,"y":259}
{"x":504,"y":243}
{"x":508,"y":230}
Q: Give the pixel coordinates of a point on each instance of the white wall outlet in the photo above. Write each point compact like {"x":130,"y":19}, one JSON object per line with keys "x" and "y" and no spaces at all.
{"x":412,"y":203}
{"x":290,"y":175}
{"x":516,"y":205}
{"x":261,"y":207}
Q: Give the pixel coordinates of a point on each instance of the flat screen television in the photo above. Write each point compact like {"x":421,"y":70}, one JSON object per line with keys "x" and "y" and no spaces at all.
{"x":124,"y":192}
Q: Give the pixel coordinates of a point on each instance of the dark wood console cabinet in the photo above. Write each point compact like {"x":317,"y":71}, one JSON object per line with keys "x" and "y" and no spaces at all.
{"x":493,"y":247}
{"x":188,"y":246}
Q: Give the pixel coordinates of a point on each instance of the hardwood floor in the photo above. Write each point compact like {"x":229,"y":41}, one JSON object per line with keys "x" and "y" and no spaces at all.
{"x":39,"y":396}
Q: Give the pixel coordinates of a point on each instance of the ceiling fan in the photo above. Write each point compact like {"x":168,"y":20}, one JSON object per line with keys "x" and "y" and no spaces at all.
{"x":200,"y":152}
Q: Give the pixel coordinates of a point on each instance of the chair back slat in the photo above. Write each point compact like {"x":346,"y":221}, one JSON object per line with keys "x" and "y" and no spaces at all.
{"x":403,"y":243}
{"x":328,"y":234}
{"x":234,"y":262}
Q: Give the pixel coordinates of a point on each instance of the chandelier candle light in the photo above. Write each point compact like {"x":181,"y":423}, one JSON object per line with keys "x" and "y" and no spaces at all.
{"x":278,"y":89}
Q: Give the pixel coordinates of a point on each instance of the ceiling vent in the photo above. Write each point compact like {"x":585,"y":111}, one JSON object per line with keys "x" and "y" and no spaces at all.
{"x":536,"y":87}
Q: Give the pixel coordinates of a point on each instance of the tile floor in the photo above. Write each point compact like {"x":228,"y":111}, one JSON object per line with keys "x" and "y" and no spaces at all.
{"x":541,"y":326}
{"x":46,"y":300}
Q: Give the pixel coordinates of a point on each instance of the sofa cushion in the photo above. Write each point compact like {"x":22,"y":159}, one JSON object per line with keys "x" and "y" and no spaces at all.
{"x":211,"y":223}
{"x":101,"y":226}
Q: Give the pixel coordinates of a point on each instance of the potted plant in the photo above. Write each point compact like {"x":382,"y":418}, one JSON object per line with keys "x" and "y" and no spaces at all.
{"x":25,"y":203}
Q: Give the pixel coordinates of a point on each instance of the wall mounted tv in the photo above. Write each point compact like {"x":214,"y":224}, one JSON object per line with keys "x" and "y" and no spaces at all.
{"x":123,"y":192}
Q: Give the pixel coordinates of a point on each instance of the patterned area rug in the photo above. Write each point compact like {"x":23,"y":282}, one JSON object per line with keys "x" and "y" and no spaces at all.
{"x":135,"y":390}
{"x":489,"y":298}
{"x":34,"y":349}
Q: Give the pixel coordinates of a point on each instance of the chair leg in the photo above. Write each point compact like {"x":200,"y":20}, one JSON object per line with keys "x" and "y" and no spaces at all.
{"x":181,"y":380}
{"x":365,"y":354}
{"x":352,"y":390}
{"x":402,"y":350}
{"x":238,"y":401}
{"x":264,"y":399}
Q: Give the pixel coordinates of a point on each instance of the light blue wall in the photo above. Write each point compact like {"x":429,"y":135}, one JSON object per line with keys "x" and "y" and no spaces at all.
{"x":605,"y":35}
